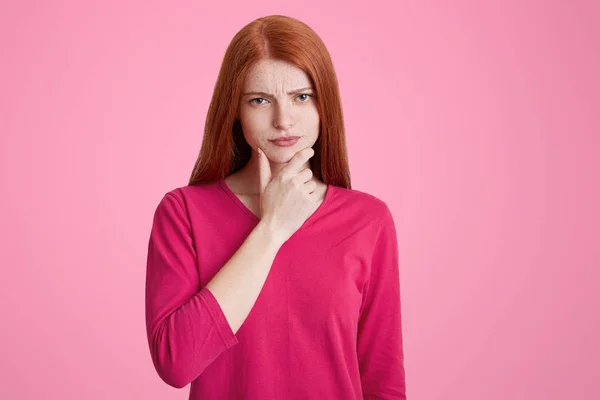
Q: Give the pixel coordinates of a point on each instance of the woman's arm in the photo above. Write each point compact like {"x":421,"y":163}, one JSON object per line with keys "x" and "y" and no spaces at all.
{"x":188,"y":327}
{"x":380,"y":350}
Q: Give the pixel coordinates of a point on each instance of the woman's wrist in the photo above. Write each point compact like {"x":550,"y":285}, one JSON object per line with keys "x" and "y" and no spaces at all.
{"x":271,"y":235}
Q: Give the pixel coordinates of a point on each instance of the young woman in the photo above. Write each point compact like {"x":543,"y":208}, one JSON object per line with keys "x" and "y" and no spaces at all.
{"x":268,"y":277}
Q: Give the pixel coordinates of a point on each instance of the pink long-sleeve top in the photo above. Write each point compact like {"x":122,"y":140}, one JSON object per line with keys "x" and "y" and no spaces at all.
{"x":326,"y":324}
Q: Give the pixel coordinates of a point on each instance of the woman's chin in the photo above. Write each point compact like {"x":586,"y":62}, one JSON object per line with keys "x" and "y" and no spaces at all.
{"x":281,"y":155}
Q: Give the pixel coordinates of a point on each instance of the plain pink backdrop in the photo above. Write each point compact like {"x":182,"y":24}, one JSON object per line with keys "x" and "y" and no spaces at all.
{"x":477,"y":124}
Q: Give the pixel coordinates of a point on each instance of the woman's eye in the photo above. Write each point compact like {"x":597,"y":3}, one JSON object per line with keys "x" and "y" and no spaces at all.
{"x":260,"y":101}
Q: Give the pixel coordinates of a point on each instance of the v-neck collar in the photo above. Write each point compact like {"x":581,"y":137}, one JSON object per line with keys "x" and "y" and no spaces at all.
{"x":256,"y":219}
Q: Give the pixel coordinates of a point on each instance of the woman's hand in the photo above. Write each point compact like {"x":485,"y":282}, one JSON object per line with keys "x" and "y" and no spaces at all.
{"x":287,"y":199}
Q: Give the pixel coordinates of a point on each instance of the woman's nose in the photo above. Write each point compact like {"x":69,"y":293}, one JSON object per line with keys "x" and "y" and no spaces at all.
{"x":283,"y":118}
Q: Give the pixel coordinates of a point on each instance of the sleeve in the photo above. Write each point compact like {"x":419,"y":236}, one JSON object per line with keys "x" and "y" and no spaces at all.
{"x":185,"y":325}
{"x":380,"y":348}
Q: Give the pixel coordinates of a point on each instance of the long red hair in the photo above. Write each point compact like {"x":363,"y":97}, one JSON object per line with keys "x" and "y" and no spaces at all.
{"x":224,"y":149}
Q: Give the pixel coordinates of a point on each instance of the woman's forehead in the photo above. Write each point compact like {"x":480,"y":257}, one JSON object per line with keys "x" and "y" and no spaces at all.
{"x":275,"y":75}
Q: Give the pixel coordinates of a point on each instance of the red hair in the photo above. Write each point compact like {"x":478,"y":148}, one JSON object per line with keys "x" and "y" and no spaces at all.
{"x":224,"y":149}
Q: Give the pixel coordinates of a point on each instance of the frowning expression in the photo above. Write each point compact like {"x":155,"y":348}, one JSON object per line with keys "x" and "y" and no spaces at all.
{"x":278,"y":100}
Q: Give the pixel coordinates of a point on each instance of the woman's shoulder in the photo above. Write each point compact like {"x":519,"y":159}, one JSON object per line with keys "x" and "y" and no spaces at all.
{"x":191,"y":195}
{"x":359,"y":200}
{"x":205,"y":188}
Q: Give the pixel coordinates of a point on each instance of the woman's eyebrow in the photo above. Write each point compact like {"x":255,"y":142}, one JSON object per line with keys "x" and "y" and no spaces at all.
{"x":268,"y":94}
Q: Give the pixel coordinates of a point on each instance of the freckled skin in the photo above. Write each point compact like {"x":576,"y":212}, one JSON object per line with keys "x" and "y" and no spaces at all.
{"x":274,"y":114}
{"x":267,"y":118}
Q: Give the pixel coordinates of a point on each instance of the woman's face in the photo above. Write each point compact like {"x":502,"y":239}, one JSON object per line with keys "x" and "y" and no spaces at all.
{"x":277,"y":100}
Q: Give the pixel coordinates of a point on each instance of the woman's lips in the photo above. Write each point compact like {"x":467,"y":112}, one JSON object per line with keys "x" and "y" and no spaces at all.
{"x":286,"y":141}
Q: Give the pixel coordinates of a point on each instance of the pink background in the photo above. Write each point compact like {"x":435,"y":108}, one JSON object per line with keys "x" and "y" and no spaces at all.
{"x":477,"y":124}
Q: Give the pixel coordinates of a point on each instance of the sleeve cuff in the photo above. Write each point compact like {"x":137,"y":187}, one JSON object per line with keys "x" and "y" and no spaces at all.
{"x":218,"y":317}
